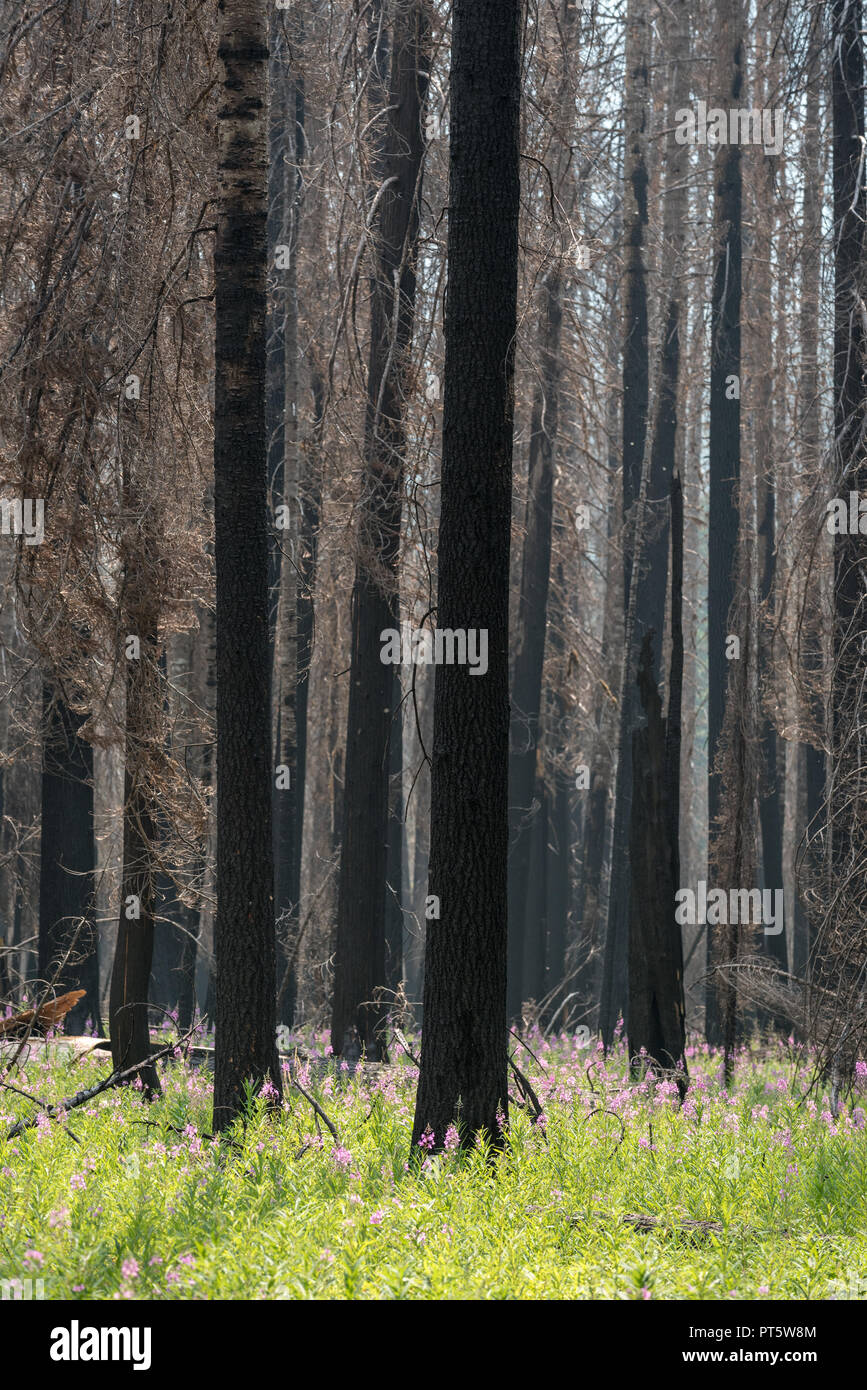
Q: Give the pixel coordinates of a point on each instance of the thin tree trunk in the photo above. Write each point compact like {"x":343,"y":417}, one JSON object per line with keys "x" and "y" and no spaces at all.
{"x":771,"y":790}
{"x":133,"y":954}
{"x":849,"y":760}
{"x":536,"y":925}
{"x":636,"y":386}
{"x":414,"y":939}
{"x":532,"y":621}
{"x":359,"y":964}
{"x":203,"y":659}
{"x":394,"y":850}
{"x":558,"y":883}
{"x":812,"y":766}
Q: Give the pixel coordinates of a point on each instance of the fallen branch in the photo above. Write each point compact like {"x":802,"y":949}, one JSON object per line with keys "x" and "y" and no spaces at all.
{"x":643,"y":1221}
{"x":37,"y":1100}
{"x":529,"y":1095}
{"x":82,"y":1097}
{"x":527,"y":1047}
{"x":202,"y":1134}
{"x":402,"y":1043}
{"x":317,"y":1108}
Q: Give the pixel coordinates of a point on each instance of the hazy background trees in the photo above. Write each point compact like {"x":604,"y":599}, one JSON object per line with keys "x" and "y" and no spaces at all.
{"x":687,"y":338}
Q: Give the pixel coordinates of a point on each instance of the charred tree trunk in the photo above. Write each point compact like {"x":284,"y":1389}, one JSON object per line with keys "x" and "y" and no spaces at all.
{"x":244,"y":931}
{"x":67,"y":925}
{"x":285,"y":163}
{"x":725,"y":437}
{"x":464,"y":1049}
{"x":656,"y":960}
{"x":656,"y":1009}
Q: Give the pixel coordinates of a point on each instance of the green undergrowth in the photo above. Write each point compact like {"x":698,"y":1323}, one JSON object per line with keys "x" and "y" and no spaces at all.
{"x":145,"y":1205}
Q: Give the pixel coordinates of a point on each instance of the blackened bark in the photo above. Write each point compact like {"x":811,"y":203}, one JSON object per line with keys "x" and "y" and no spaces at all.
{"x":359,"y":962}
{"x":725,"y":436}
{"x":67,"y":925}
{"x":287,"y":149}
{"x":464,"y":1041}
{"x":656,"y":1010}
{"x":656,"y":958}
{"x":245,"y":1048}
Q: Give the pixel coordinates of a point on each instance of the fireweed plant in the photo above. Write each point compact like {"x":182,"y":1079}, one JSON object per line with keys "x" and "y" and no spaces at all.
{"x":146,"y":1206}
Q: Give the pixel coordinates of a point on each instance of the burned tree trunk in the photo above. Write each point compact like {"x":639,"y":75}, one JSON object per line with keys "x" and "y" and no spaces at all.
{"x":246,"y":1049}
{"x":286,"y":149}
{"x":662,"y":1008}
{"x":133,"y":955}
{"x":67,"y":926}
{"x":725,"y":439}
{"x":656,"y":1009}
{"x":464,"y":1049}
